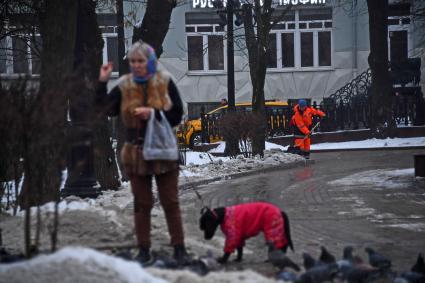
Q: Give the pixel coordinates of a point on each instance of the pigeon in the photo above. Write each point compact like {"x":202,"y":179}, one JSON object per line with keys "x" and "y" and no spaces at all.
{"x":280,"y":260}
{"x":348,"y":253}
{"x":344,"y":267}
{"x":346,"y":263}
{"x":208,"y":262}
{"x":287,"y":276}
{"x":319,"y":273}
{"x":361,"y":273}
{"x":413,"y":277}
{"x":309,"y":261}
{"x":378,"y":260}
{"x":400,"y":280}
{"x":326,"y":257}
{"x":419,"y":266}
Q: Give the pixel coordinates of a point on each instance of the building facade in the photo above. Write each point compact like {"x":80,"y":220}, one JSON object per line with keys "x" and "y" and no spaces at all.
{"x":319,"y":46}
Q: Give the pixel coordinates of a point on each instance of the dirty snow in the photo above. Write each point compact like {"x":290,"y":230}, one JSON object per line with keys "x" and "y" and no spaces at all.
{"x":222,"y":145}
{"x":204,"y":166}
{"x":76,"y":264}
{"x":380,"y":178}
{"x":245,"y":276}
{"x":371,"y":143}
{"x":200,"y":166}
{"x":417,"y":227}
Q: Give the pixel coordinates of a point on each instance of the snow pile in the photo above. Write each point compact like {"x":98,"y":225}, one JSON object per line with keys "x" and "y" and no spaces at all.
{"x":200,"y":158}
{"x":391,"y":179}
{"x":415,"y":227}
{"x":222,"y":145}
{"x":76,"y":264}
{"x":245,"y":276}
{"x":221,"y":167}
{"x":371,"y":143}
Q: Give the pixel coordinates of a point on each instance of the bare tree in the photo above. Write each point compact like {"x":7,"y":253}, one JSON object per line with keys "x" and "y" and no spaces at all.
{"x":155,"y":23}
{"x":57,"y":28}
{"x":381,"y":90}
{"x":257,"y":43}
{"x":88,"y":58}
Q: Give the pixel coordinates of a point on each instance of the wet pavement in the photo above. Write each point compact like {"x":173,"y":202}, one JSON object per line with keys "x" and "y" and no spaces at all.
{"x":357,"y":198}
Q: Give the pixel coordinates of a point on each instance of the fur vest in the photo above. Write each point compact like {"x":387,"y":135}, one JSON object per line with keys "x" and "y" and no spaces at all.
{"x":153,"y":94}
{"x":133,"y":95}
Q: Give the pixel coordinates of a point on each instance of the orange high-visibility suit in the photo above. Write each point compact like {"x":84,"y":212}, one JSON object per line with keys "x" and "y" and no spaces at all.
{"x":302,"y":121}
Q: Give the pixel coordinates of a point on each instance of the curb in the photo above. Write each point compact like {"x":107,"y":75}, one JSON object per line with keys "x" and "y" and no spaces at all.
{"x":284,"y":166}
{"x":367,"y":149}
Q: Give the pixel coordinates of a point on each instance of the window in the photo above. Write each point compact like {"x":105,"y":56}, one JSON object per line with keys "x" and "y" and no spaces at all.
{"x":399,"y":41}
{"x":195,"y":50}
{"x":306,"y":49}
{"x":287,"y":50}
{"x":272,"y":63}
{"x":110,"y":46}
{"x":303,"y":40}
{"x":3,"y":56}
{"x":324,"y":48}
{"x":19,"y":54}
{"x":205,"y":47}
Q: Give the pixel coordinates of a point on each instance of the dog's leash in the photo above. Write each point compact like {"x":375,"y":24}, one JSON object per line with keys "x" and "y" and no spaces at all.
{"x":198,"y":195}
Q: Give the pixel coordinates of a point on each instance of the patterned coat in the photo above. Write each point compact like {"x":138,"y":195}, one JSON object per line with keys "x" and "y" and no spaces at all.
{"x":244,"y":221}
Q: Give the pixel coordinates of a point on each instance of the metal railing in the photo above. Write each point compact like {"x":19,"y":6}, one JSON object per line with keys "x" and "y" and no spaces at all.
{"x":348,"y":108}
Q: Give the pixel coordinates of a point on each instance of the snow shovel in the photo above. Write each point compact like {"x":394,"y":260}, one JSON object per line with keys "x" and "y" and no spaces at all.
{"x":312,"y":130}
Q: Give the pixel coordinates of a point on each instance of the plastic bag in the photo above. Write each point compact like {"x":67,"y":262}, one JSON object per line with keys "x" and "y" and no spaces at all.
{"x":160,"y":142}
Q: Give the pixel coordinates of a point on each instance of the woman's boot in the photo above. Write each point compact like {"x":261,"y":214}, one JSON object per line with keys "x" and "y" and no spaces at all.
{"x":143,"y":256}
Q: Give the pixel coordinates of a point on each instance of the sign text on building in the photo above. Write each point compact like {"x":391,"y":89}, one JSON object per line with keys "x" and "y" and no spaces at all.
{"x":209,"y":3}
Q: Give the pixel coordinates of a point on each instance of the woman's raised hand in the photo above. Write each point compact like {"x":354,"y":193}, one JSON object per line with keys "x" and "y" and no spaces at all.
{"x":105,"y":72}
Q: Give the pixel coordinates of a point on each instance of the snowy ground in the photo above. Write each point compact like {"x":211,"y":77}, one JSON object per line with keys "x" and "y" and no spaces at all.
{"x":107,"y":222}
{"x":391,"y":182}
{"x":369,"y":143}
{"x":372,"y":143}
{"x":77,"y":264}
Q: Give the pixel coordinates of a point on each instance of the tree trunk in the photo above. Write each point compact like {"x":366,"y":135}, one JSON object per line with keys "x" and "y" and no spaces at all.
{"x":123,"y":68}
{"x":47,"y":122}
{"x":381,"y":90}
{"x":88,"y":58}
{"x":122,"y":64}
{"x":257,"y":44}
{"x":155,"y":24}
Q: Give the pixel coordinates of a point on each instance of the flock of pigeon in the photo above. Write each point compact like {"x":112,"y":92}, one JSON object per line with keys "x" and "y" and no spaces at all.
{"x":351,"y":268}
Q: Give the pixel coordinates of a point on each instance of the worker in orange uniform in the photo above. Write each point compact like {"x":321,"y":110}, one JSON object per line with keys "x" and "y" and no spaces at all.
{"x":302,"y":120}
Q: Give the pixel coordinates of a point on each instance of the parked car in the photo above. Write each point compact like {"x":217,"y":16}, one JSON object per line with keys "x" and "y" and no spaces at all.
{"x":189,"y":133}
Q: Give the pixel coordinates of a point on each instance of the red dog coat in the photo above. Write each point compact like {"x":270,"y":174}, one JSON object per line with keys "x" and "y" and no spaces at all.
{"x":247,"y":220}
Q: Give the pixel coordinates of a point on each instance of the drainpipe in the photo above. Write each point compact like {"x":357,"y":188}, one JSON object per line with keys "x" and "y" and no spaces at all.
{"x":354,"y":30}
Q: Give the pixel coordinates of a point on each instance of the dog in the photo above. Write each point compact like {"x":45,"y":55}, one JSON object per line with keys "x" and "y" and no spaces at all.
{"x":243,"y":221}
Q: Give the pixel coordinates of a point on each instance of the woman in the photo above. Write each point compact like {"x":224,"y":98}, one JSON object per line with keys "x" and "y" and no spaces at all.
{"x":137,"y":94}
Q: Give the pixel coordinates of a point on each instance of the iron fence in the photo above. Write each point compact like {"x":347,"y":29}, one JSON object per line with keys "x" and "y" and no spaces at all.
{"x":348,"y":108}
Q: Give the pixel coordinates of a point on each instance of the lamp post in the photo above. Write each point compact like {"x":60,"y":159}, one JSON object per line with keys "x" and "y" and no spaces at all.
{"x":232,"y":146}
{"x":230,"y":59}
{"x":81,"y":180}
